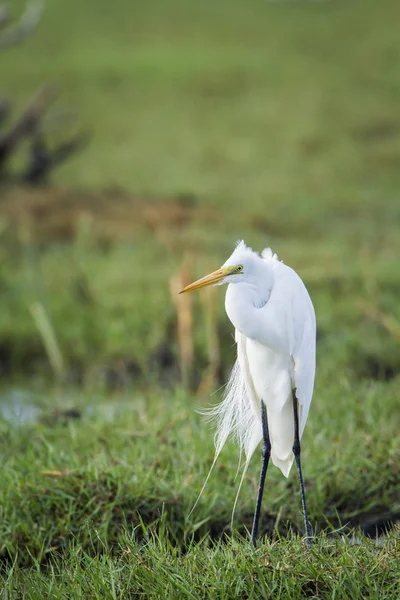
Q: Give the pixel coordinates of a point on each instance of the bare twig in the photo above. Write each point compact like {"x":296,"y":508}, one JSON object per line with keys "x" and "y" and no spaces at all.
{"x":4,"y":16}
{"x":24,"y":27}
{"x":31,"y":125}
{"x":184,"y":312}
{"x":28,"y":122}
{"x":42,"y":159}
{"x":49,"y":338}
{"x":210,"y":308}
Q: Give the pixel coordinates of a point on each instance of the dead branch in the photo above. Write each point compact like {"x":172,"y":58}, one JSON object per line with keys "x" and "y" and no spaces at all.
{"x":28,"y":22}
{"x":4,"y":18}
{"x":28,"y":122}
{"x":29,"y":126}
{"x":43,"y":159}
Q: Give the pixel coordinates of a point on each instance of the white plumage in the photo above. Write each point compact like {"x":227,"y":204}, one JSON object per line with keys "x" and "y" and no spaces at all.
{"x":275,"y":333}
{"x":279,"y":356}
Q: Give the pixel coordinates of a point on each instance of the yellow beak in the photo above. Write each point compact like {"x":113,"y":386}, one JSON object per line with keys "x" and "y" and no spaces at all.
{"x":209,"y":279}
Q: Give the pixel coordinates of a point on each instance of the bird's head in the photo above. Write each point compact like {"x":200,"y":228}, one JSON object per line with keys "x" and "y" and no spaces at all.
{"x":241,"y":267}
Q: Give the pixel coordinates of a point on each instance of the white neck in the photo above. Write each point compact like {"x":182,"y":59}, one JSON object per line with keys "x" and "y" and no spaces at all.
{"x":244,"y":297}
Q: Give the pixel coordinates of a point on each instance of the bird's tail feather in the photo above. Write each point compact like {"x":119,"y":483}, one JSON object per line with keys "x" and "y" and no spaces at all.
{"x":204,"y":485}
{"x":234,"y":415}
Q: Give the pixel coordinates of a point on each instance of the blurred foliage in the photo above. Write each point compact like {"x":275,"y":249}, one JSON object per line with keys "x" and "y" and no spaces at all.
{"x":275,"y":122}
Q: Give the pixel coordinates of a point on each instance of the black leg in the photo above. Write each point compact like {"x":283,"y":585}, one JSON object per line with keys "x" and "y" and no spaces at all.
{"x":296,"y":452}
{"x":266,"y":452}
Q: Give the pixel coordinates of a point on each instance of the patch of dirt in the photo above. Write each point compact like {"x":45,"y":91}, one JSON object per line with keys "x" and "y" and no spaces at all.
{"x":57,"y":213}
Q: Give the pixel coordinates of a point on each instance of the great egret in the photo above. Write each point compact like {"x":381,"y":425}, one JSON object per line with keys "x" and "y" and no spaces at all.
{"x":269,"y":392}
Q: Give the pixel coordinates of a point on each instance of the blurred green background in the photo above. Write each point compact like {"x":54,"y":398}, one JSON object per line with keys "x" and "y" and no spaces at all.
{"x":276,"y":122}
{"x":273,"y":121}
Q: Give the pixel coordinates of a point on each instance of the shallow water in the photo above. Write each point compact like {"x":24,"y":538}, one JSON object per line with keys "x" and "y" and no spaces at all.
{"x":19,"y":406}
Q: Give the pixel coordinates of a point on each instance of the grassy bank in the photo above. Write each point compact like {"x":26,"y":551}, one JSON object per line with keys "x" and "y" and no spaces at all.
{"x":100,"y":497}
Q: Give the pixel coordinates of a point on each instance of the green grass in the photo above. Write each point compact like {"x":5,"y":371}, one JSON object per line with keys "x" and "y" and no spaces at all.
{"x":278,"y":122}
{"x":233,"y":570}
{"x":105,"y":499}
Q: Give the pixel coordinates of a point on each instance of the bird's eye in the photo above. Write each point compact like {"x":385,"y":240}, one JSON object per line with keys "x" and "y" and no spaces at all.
{"x":239,"y":269}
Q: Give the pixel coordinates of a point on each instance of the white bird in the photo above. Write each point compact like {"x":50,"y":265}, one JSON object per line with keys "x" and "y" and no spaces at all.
{"x":269,"y":392}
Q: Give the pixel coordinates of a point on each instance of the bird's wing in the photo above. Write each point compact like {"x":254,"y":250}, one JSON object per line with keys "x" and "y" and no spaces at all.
{"x":302,"y":335}
{"x":290,"y":299}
